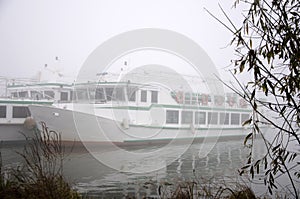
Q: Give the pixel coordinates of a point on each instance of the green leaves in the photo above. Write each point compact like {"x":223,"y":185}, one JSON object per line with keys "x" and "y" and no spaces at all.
{"x":247,"y":122}
{"x":268,"y":49}
{"x":247,"y":138}
{"x":242,"y":66}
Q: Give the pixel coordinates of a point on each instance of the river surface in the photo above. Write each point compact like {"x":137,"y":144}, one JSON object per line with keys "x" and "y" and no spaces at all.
{"x":92,"y":176}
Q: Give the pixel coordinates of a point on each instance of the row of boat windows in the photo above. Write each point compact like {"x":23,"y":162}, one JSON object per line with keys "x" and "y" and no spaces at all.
{"x":116,"y":94}
{"x":204,"y":99}
{"x":99,"y":94}
{"x":203,"y":118}
{"x":64,"y":95}
{"x":17,"y":112}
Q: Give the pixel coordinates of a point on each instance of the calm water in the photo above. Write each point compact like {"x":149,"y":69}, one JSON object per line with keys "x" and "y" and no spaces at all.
{"x":95,"y":179}
{"x":221,"y":163}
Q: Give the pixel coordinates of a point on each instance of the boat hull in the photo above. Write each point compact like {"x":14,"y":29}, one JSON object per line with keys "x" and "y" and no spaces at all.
{"x":14,"y":132}
{"x":84,"y":127}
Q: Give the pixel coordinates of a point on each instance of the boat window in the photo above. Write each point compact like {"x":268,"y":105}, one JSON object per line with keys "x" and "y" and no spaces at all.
{"x":143,"y":96}
{"x":235,"y":118}
{"x":245,"y":117}
{"x":91,"y":93}
{"x":194,"y":98}
{"x":99,"y":94}
{"x":64,"y":96}
{"x":199,"y":98}
{"x":172,"y":117}
{"x":243,"y":103}
{"x":219,"y":100}
{"x":131,"y":94}
{"x":186,"y":117}
{"x":49,"y":94}
{"x":20,"y":112}
{"x":82,"y":94}
{"x":209,"y":98}
{"x":154,"y":96}
{"x":2,"y":111}
{"x":224,"y":118}
{"x":200,"y":118}
{"x":187,"y":98}
{"x":36,"y":95}
{"x":204,"y":99}
{"x":119,"y":94}
{"x":23,"y":94}
{"x":173,"y":95}
{"x":231,"y":99}
{"x":109,"y":93}
{"x":14,"y":94}
{"x":72,"y":95}
{"x":212,"y":117}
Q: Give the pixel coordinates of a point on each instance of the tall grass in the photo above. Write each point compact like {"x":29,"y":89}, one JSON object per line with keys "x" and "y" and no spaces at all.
{"x":41,"y":174}
{"x":196,"y":190}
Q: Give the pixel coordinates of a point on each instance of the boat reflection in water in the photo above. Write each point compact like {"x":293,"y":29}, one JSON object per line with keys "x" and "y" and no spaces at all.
{"x":141,"y":176}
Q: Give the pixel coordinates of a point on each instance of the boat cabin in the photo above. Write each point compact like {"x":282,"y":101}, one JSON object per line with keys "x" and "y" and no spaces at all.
{"x":57,"y":92}
{"x":118,"y":92}
{"x":146,"y":103}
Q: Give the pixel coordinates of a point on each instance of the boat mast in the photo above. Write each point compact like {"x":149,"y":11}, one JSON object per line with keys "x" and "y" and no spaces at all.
{"x":6,"y":84}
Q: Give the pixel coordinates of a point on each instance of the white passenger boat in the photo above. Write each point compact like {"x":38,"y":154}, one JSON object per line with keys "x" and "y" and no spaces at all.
{"x":15,"y":118}
{"x":127,"y":112}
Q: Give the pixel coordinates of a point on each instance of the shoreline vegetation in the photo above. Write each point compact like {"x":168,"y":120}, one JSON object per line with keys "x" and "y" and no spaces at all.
{"x":41,"y":176}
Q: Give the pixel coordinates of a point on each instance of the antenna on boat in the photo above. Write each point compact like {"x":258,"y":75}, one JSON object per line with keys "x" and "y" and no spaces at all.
{"x":53,"y":71}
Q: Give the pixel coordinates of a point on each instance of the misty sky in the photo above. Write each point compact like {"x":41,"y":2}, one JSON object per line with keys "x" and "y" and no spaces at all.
{"x":34,"y":32}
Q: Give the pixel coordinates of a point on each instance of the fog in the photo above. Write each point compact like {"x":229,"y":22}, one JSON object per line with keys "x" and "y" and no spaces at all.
{"x":61,"y":34}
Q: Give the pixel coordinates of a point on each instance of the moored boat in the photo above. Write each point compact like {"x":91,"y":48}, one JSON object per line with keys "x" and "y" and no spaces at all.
{"x":128,"y":112}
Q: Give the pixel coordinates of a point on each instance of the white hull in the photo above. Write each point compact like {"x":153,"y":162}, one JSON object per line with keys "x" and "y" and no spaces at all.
{"x":76,"y":126}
